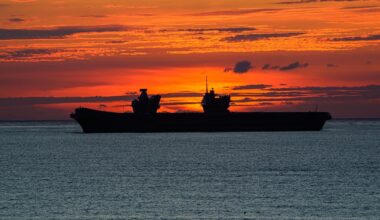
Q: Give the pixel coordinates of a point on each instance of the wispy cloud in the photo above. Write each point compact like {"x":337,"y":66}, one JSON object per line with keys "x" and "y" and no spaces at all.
{"x":58,"y":32}
{"x":94,"y":16}
{"x":254,"y":37}
{"x":251,"y":86}
{"x":16,"y":20}
{"x":288,"y":67}
{"x":24,"y":53}
{"x":23,"y":1}
{"x":330,"y":65}
{"x":293,"y":66}
{"x":358,"y":38}
{"x":235,"y":12}
{"x":266,"y":93}
{"x":312,"y":1}
{"x":220,"y":29}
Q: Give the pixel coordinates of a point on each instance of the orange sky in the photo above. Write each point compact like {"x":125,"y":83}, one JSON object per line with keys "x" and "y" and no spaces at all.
{"x":301,"y":54}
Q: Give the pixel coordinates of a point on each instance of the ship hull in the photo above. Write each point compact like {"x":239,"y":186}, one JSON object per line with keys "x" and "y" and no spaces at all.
{"x":94,"y":121}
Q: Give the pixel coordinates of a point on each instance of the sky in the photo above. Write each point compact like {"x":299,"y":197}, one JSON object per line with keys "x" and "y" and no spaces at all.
{"x":270,"y":55}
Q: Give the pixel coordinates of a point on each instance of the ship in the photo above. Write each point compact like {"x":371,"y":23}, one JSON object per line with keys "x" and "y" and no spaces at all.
{"x":215,"y":118}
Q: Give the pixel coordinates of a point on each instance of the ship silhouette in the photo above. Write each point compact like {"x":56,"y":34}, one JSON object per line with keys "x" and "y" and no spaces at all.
{"x":211,"y":103}
{"x":145,"y":104}
{"x":215,"y":117}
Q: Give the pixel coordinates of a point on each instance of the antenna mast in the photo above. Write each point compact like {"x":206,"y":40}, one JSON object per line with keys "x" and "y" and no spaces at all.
{"x":206,"y":85}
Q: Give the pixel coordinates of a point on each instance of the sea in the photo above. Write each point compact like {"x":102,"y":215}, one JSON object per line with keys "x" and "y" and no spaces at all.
{"x":51,"y":170}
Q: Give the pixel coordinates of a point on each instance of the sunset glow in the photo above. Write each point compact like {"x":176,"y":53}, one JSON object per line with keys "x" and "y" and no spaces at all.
{"x":58,"y":55}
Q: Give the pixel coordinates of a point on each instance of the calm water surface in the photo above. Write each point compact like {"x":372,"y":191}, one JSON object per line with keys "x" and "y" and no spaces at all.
{"x":49,"y":170}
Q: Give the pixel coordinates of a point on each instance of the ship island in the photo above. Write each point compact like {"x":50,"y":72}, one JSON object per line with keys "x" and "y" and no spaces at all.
{"x":215,"y":117}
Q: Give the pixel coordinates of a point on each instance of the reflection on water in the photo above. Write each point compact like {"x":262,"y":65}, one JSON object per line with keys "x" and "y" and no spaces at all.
{"x":49,"y":170}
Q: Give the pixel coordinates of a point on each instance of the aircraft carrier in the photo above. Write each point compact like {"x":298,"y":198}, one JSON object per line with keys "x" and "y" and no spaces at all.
{"x":215,"y":118}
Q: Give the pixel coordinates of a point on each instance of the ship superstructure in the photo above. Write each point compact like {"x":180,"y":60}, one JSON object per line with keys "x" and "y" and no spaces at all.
{"x":145,"y":104}
{"x":213,"y":103}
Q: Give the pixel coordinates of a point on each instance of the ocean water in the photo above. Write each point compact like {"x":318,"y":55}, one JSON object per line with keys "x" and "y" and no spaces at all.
{"x":50,"y":170}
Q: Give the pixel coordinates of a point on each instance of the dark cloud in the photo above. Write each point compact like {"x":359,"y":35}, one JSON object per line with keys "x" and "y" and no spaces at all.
{"x":312,"y":1}
{"x":93,"y":16}
{"x":269,"y":67}
{"x":337,"y":95}
{"x":58,"y":32}
{"x":242,"y":66}
{"x":229,"y":29}
{"x":16,"y":20}
{"x":359,"y":7}
{"x":265,"y":103}
{"x":343,"y":89}
{"x":252,"y":86}
{"x":254,"y":37}
{"x":293,"y":66}
{"x":24,"y":53}
{"x":358,"y":38}
{"x":116,"y":42}
{"x":331,"y":65}
{"x":222,"y":29}
{"x":266,"y":66}
{"x":367,"y":10}
{"x":236,"y":12}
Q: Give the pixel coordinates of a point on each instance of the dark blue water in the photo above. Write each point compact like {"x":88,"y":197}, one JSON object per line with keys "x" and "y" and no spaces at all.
{"x":52,"y":171}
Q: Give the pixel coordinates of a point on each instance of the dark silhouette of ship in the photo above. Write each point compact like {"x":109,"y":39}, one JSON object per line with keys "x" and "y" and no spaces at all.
{"x":145,"y":104}
{"x":212,"y":104}
{"x":216,"y":117}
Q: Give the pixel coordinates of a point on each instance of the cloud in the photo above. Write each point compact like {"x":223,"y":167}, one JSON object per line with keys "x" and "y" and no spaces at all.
{"x":116,"y":42}
{"x":358,"y":38}
{"x":270,"y":93}
{"x":266,"y":66}
{"x":242,"y":66}
{"x":24,"y":53}
{"x":16,"y":20}
{"x":22,"y":101}
{"x":252,"y":86}
{"x":58,"y":32}
{"x":312,"y":1}
{"x":94,"y":16}
{"x":23,"y":1}
{"x":229,"y":29}
{"x":359,"y":7}
{"x":366,"y":10}
{"x":343,"y":89}
{"x":270,"y":67}
{"x":254,"y":37}
{"x":293,"y":66}
{"x":236,"y":12}
{"x":330,"y":65}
